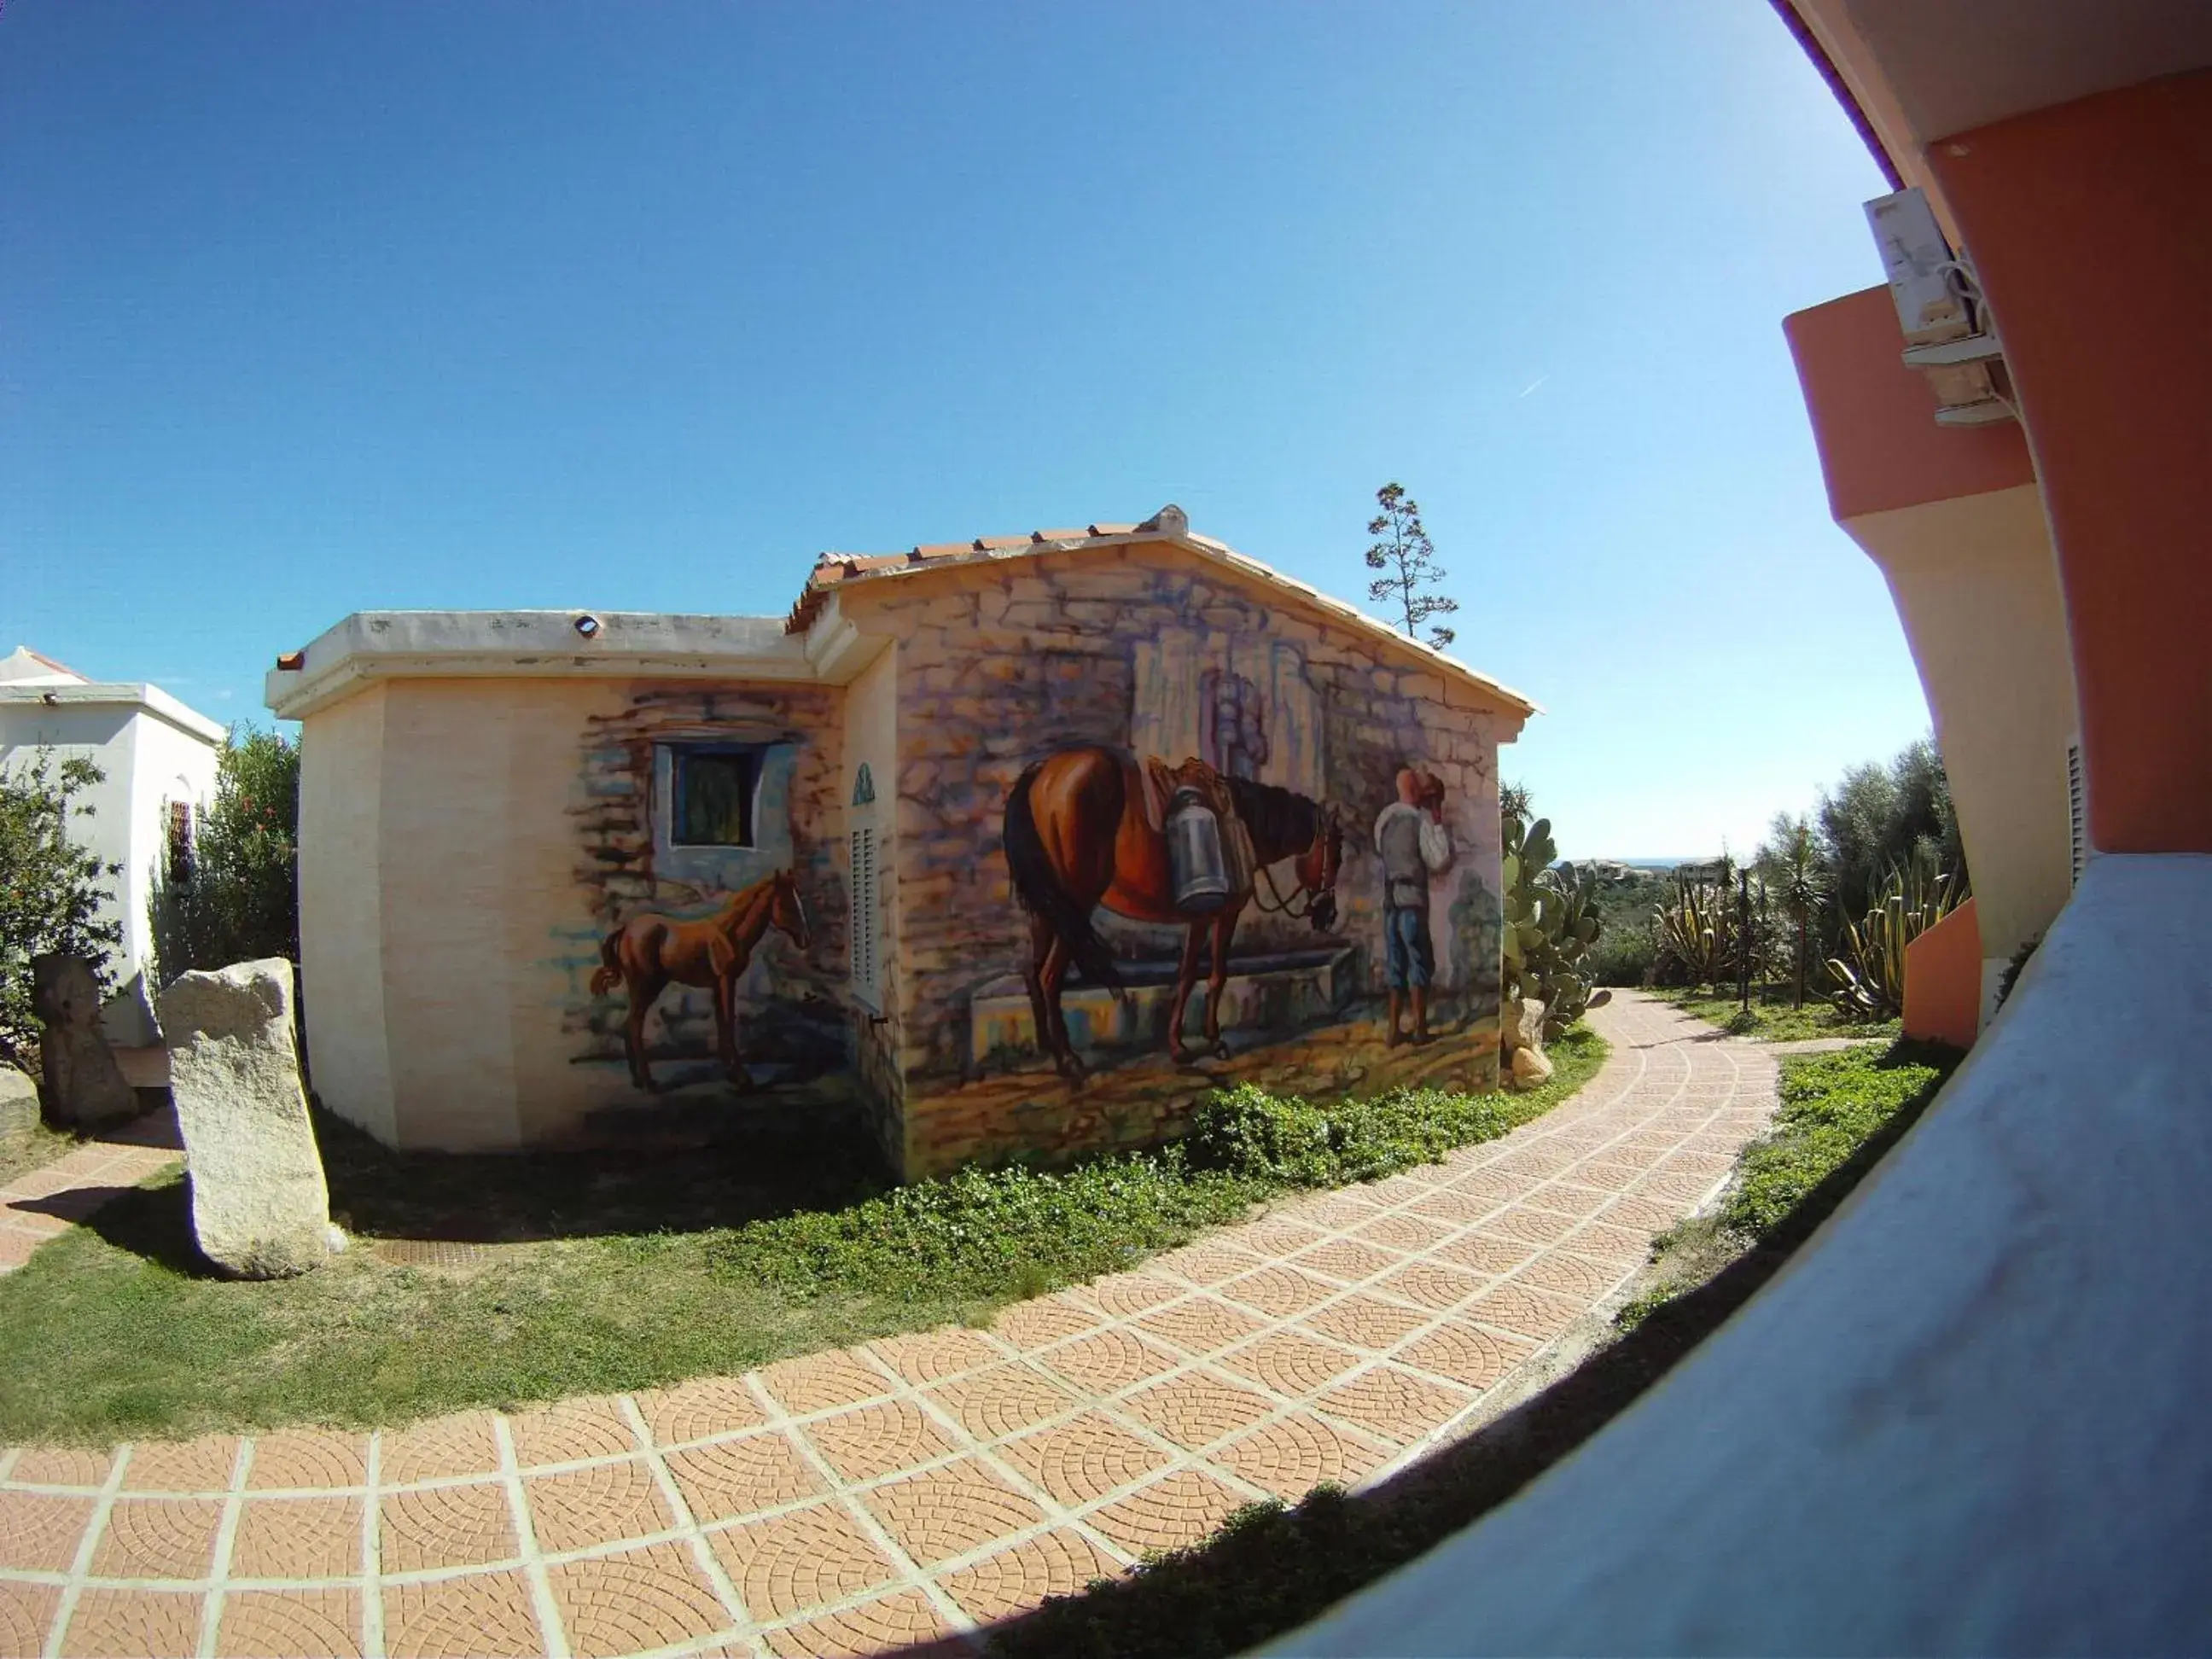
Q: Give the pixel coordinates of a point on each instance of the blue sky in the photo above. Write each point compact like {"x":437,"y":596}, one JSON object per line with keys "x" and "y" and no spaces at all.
{"x":307,"y":309}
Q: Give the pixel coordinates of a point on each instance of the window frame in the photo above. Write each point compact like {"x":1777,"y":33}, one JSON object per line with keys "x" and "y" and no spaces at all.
{"x":681,"y":753}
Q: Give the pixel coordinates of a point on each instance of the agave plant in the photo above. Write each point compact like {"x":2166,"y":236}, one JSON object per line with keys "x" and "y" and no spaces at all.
{"x":1869,"y":975}
{"x":1697,"y":931}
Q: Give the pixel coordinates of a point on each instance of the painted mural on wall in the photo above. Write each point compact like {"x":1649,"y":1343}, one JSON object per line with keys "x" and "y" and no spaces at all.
{"x":1217,"y":840}
{"x":712,"y":955}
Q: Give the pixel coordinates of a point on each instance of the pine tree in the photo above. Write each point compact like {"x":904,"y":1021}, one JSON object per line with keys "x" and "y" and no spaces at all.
{"x":1404,"y":550}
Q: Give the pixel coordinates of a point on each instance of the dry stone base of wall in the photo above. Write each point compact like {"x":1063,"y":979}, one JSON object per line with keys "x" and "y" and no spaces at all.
{"x":1150,"y":1098}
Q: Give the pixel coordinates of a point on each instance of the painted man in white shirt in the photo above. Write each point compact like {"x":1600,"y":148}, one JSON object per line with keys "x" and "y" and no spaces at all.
{"x":1411,"y":836}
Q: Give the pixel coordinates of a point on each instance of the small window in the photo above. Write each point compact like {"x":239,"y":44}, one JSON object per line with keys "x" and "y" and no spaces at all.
{"x":713,"y":790}
{"x":865,"y":968}
{"x":180,"y":841}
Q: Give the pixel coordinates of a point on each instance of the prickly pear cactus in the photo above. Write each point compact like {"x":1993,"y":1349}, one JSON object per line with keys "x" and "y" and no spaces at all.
{"x":1552,"y":919}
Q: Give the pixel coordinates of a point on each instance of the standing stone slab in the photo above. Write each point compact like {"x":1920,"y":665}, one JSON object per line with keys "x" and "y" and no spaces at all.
{"x":84,"y":1087}
{"x":260,"y":1208}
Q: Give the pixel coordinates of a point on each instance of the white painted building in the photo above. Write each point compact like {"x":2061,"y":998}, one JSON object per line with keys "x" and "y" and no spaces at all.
{"x":155,"y":754}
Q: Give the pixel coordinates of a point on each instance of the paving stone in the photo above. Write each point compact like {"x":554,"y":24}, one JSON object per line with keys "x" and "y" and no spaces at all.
{"x":309,"y":1458}
{"x":1447,"y":1204}
{"x":949,"y":1512}
{"x":1058,"y":1562}
{"x":290,"y":1624}
{"x":699,"y":1410}
{"x":39,"y":1531}
{"x":1538,"y":1227}
{"x":726,"y":1479}
{"x":603,"y":1504}
{"x":1082,"y":1460}
{"x":1047,"y":1319}
{"x":1433,"y":1285}
{"x":1565,"y":1274}
{"x":1290,"y":1362}
{"x":1610,"y":1244}
{"x":903,"y":1621}
{"x":634,"y":1601}
{"x":297,"y":1538}
{"x":1002,"y":1401}
{"x":1208,"y":1262}
{"x":204,"y":1465}
{"x":61,"y":1465}
{"x":1196,"y":1411}
{"x":1109,"y":1360}
{"x":878,"y":1439}
{"x":27,"y":1613}
{"x":489,"y":1615}
{"x":1179,"y":1508}
{"x":1274,"y":1236}
{"x":462,"y":1443}
{"x":454,"y":1525}
{"x":823,"y":1382}
{"x":1566,"y":1199}
{"x":928,"y":1355}
{"x":1477,"y":1358}
{"x":1394,"y":1403}
{"x":1347,"y":1261}
{"x":1125,"y":1295}
{"x":158,"y":1538}
{"x":1363,"y":1322}
{"x":572,"y":1431}
{"x":1639,"y":1213}
{"x":1293,"y":1455}
{"x":1201,"y":1324}
{"x":109,"y":1623}
{"x":791,"y":1563}
{"x":1279,"y":1291}
{"x":1404,"y":1231}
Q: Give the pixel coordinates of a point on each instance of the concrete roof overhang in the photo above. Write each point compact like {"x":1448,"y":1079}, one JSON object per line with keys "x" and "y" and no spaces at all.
{"x":1921,"y":71}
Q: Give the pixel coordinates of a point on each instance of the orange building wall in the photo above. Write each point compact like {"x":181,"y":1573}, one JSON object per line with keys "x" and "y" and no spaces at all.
{"x":1943,"y":981}
{"x":1874,"y":419}
{"x":2091,"y":226}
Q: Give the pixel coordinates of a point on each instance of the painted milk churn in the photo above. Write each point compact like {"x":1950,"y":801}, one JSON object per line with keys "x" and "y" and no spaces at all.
{"x":1197,"y":874}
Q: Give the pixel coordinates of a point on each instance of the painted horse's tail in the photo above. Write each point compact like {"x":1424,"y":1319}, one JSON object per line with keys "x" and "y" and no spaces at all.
{"x":1038,"y":887}
{"x":609,"y":973}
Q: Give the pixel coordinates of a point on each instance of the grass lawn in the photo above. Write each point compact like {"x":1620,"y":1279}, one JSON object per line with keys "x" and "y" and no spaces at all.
{"x":593,"y":1273}
{"x":1271,"y":1568}
{"x":1774,"y":1017}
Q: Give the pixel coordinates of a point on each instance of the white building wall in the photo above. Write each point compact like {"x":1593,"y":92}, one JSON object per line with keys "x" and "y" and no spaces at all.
{"x":145,"y":759}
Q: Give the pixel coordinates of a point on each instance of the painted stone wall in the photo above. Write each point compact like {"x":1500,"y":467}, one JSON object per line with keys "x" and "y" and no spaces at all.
{"x":1142,"y":652}
{"x":661,"y":922}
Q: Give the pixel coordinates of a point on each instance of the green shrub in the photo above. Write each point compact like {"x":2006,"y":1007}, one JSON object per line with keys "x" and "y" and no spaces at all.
{"x":1624,"y":956}
{"x":234,"y":896}
{"x":52,"y":889}
{"x":1832,"y":1107}
{"x":977,"y":1232}
{"x":1246,"y":1131}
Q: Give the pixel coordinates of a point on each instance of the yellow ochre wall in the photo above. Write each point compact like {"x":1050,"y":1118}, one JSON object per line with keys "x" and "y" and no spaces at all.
{"x":449,"y":1009}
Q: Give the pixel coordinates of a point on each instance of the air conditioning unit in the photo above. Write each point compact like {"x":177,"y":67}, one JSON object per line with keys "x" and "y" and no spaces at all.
{"x":1949,"y":335}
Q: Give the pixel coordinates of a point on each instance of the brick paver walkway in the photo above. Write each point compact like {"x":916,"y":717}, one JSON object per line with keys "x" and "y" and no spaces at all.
{"x":42,"y":1202}
{"x":916,"y":1487}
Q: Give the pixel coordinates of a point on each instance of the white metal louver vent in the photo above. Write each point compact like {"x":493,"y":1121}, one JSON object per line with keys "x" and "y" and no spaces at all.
{"x":866,"y":925}
{"x":2077,"y":809}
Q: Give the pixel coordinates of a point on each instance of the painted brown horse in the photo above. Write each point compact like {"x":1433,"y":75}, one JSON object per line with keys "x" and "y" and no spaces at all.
{"x":1077,"y":837}
{"x":650,"y":951}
